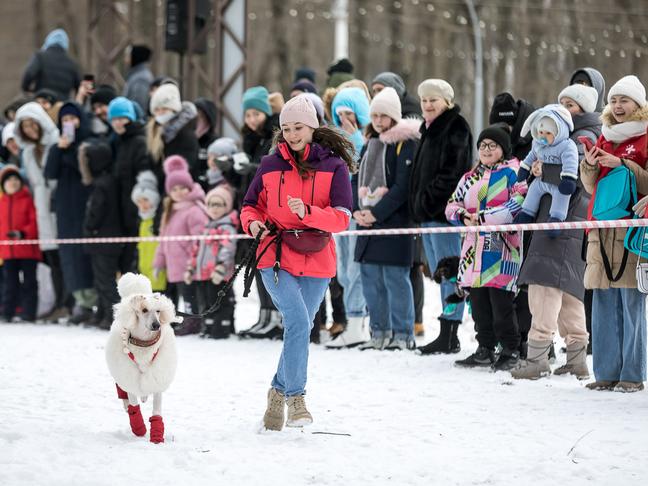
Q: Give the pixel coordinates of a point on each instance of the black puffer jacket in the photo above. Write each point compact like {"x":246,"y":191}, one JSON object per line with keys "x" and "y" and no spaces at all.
{"x":131,"y":158}
{"x":521,"y":146}
{"x":256,"y":145}
{"x":102,"y":216}
{"x":179,"y":136}
{"x":557,"y":262}
{"x":209,"y":109}
{"x":52,"y":69}
{"x":443,"y":155}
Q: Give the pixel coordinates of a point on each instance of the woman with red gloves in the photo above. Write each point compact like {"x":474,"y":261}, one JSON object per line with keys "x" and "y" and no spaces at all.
{"x":300,"y":194}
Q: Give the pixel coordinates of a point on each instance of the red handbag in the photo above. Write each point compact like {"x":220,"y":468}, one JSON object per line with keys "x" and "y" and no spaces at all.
{"x":305,"y":240}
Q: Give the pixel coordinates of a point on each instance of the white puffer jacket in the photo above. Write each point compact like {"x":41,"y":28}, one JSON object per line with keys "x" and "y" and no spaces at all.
{"x":41,"y":187}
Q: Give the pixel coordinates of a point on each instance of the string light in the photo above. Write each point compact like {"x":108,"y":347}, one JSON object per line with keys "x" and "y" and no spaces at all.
{"x":461,"y":23}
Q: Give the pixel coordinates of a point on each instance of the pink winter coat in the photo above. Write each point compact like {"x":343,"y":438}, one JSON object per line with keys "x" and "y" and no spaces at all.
{"x":188,"y":217}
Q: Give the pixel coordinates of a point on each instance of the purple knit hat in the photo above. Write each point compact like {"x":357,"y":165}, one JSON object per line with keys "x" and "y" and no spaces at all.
{"x":177,"y":173}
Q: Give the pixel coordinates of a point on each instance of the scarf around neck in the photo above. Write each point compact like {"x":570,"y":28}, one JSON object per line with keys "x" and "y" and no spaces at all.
{"x":623,"y":131}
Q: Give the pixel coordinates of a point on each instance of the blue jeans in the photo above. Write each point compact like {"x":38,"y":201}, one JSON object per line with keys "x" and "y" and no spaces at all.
{"x":298,"y":299}
{"x":619,"y":335}
{"x":438,"y":246}
{"x":348,"y":275}
{"x":388,"y":292}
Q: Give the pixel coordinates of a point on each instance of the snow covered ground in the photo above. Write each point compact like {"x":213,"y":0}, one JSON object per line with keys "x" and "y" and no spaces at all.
{"x":404,"y":419}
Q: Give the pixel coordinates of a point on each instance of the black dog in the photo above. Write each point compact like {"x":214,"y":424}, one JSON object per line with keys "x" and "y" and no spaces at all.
{"x":448,"y":269}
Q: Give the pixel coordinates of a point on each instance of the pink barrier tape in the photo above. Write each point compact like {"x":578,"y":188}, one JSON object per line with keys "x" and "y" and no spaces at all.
{"x":573,"y":225}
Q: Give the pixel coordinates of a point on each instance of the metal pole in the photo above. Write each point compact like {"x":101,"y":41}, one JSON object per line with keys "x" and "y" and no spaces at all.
{"x":478,"y":116}
{"x":340,"y":12}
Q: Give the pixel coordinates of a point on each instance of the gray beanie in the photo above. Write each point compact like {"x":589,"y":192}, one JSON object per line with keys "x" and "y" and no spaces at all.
{"x":222,"y":146}
{"x":146,"y":187}
{"x":391,"y":80}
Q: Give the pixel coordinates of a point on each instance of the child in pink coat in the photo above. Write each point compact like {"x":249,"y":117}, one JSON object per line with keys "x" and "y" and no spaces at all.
{"x":184,"y":214}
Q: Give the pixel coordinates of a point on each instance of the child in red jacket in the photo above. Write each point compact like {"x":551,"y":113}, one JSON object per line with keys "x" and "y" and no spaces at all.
{"x":18,"y":222}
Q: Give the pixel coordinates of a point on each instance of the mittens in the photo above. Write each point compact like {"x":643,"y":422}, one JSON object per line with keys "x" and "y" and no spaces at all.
{"x":567,"y":186}
{"x":523,"y":174}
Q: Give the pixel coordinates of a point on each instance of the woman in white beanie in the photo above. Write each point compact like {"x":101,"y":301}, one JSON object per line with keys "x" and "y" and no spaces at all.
{"x":171,"y":129}
{"x":443,"y":155}
{"x":380,"y":201}
{"x":619,"y":309}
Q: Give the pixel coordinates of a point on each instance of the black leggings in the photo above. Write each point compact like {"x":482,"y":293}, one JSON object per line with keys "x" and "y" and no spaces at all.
{"x":494,"y":318}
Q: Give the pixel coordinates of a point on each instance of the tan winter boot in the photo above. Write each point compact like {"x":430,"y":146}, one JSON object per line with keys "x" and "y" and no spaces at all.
{"x":537,"y":363}
{"x":298,"y":415}
{"x":576,"y":362}
{"x":274,"y":416}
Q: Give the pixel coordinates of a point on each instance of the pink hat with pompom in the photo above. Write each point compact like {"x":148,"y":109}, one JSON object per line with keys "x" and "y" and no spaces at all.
{"x":177,"y":173}
{"x":223,"y":191}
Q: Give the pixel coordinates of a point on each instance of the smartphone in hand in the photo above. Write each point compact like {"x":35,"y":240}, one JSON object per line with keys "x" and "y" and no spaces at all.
{"x":69,"y":130}
{"x":586,"y":142}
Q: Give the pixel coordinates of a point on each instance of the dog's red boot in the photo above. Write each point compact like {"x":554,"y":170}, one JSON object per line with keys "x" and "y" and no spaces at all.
{"x":136,"y":420}
{"x":157,"y":429}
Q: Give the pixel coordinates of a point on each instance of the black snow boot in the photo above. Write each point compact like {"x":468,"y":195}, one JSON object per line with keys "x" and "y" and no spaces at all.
{"x":483,"y":357}
{"x":273,"y":328}
{"x":447,"y":342}
{"x":264,"y":318}
{"x":507,"y":360}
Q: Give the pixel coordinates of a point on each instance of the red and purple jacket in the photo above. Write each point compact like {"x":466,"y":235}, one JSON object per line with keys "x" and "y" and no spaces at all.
{"x":327,"y":193}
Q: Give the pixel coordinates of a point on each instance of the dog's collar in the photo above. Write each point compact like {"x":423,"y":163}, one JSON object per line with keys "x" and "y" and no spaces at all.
{"x":140,"y":343}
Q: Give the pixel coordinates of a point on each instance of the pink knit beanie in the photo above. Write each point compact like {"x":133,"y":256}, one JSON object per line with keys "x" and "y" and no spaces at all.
{"x":299,"y":109}
{"x":223,"y":191}
{"x":177,"y":173}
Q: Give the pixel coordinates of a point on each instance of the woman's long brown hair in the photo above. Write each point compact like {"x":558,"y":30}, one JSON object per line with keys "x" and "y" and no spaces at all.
{"x":167,"y":209}
{"x":327,"y":137}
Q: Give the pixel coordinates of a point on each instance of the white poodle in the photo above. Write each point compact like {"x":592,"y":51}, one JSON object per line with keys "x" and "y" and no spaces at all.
{"x":141,"y":352}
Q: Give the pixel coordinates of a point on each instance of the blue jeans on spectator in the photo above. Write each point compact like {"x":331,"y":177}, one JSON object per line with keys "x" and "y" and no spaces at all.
{"x":348,"y":274}
{"x":438,"y":246}
{"x":619,"y":335}
{"x":390,"y":299}
{"x":298,"y":299}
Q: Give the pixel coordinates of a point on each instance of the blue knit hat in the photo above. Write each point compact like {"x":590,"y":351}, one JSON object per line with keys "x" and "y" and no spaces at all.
{"x":121,"y":107}
{"x":257,"y":98}
{"x":352,"y":99}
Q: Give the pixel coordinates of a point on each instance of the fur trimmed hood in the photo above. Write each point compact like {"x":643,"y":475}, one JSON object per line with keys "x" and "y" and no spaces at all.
{"x":405,"y":129}
{"x":607,"y":118}
{"x":49,"y":132}
{"x":187,"y":114}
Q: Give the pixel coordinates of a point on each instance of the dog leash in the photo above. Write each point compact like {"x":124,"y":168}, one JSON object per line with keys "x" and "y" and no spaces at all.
{"x":249,"y":262}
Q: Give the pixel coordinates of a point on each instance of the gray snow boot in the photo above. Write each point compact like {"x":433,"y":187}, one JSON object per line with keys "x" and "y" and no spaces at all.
{"x":274,"y":416}
{"x":576,"y":362}
{"x":536,"y":365}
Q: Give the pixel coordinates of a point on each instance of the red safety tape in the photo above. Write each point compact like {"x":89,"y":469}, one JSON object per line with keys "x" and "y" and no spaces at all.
{"x":569,"y":225}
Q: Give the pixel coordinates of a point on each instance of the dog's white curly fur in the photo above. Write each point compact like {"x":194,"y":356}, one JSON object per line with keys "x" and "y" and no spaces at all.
{"x":145,"y":375}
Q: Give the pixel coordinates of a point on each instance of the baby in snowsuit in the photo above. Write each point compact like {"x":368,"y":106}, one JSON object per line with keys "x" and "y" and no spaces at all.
{"x":550,"y":127}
